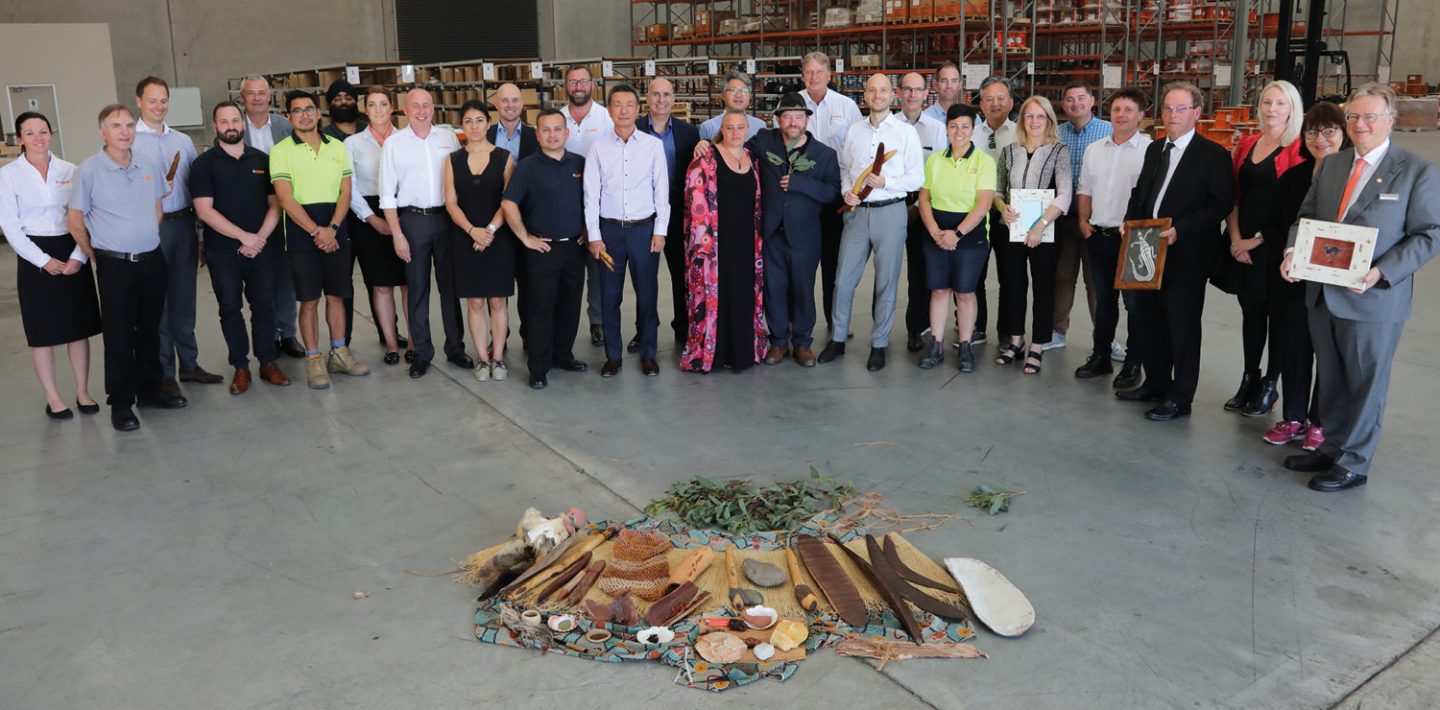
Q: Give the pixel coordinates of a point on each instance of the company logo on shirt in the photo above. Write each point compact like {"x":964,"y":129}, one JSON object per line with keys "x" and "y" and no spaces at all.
{"x":258,"y":172}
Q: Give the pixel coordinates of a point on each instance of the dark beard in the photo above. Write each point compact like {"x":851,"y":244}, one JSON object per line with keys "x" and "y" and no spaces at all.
{"x":344,"y":114}
{"x":228,"y":140}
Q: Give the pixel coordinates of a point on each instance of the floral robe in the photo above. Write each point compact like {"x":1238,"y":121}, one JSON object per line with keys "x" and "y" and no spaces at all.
{"x":702,"y":273}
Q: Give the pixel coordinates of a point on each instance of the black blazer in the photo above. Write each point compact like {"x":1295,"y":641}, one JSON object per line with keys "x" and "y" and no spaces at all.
{"x":1200,"y":196}
{"x":811,"y":191}
{"x":686,"y":136}
{"x":529,"y":144}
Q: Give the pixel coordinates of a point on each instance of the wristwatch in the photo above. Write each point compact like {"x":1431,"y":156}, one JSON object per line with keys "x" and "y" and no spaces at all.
{"x":492,"y":227}
{"x":335,"y":227}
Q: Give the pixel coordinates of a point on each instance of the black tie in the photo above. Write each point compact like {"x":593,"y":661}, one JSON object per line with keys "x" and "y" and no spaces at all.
{"x":1158,"y":180}
{"x":992,"y":140}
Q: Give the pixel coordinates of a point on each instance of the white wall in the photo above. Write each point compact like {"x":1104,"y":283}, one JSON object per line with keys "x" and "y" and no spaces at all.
{"x":84,"y":81}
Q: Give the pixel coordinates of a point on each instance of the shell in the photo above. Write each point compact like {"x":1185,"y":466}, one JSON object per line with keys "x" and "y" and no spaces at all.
{"x":764,"y":651}
{"x":655,"y":635}
{"x":561,"y":623}
{"x":760,"y":617}
{"x":720,"y":647}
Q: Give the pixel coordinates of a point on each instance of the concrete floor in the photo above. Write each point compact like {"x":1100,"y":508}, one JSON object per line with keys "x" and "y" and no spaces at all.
{"x":209,"y":560}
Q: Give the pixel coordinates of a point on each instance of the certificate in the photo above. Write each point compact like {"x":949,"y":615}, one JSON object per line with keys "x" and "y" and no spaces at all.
{"x":1031,"y":204}
{"x":1332,"y":253}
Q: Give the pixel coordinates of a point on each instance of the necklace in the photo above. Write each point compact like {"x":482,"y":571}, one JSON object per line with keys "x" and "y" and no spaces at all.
{"x":731,"y":159}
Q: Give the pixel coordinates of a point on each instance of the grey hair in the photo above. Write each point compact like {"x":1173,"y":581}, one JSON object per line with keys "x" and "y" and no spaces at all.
{"x":820,"y":58}
{"x":992,"y":80}
{"x":737,"y":75}
{"x":1197,"y":97}
{"x":1379,"y":90}
{"x":254,"y":77}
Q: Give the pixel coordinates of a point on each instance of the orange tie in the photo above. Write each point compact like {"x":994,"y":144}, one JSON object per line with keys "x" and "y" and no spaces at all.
{"x":1350,"y":188}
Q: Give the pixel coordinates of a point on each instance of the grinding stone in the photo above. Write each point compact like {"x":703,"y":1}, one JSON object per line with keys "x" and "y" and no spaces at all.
{"x":764,"y":574}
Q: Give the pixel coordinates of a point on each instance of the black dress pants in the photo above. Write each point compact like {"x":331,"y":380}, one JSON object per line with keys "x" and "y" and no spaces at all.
{"x":917,"y":296}
{"x":132,"y":298}
{"x":832,"y":225}
{"x":1170,"y":337}
{"x":1040,"y":262}
{"x":556,"y":280}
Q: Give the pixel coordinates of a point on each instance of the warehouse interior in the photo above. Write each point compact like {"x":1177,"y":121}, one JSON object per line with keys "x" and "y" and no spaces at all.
{"x":285,"y":549}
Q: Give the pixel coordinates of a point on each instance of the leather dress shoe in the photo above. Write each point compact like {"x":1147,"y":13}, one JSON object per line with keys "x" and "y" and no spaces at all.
{"x":1143,"y":393}
{"x":1311,"y":462}
{"x":292,"y":347}
{"x":1129,"y":377}
{"x":610,"y":368}
{"x":401,"y":340}
{"x":876,"y":361}
{"x":61,"y":415}
{"x":170,"y":388}
{"x":649,"y":366}
{"x":572,"y":365}
{"x":418,"y":369}
{"x":162,"y":401}
{"x":775,"y":355}
{"x":200,"y":376}
{"x":272,"y":374}
{"x":634,"y":345}
{"x":1168,"y":411}
{"x":538,"y":381}
{"x":461,"y":360}
{"x":91,"y":408}
{"x":804,"y":356}
{"x":832,"y":350}
{"x":597,"y":335}
{"x":124,"y":419}
{"x":1337,"y":480}
{"x":409,"y":356}
{"x":241,"y":382}
{"x":392,"y":358}
{"x":914,"y":343}
{"x":1095,"y":366}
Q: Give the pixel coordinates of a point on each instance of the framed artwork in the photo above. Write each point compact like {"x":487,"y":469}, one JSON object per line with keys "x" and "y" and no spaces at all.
{"x":1031,"y":205}
{"x":1141,"y":266}
{"x":1332,"y":253}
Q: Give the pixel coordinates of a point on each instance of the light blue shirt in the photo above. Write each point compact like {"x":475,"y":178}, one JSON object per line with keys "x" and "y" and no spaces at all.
{"x":160,"y":148}
{"x":711,"y":128}
{"x":119,"y":203}
{"x":507,"y":141}
{"x":934,"y":111}
{"x":1079,"y":140}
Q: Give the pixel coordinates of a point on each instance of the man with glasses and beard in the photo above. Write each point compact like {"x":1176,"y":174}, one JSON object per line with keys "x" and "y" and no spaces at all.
{"x":587,"y":123}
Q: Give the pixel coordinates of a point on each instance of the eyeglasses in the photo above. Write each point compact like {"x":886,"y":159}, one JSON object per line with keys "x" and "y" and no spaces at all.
{"x":1330,"y":132}
{"x":306,"y":110}
{"x":1366,"y":117}
{"x":738,"y":90}
{"x":577,"y":82}
{"x":1178,"y":108}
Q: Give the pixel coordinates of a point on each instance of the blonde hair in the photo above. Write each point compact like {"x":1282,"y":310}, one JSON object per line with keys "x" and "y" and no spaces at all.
{"x":1382,"y":91}
{"x":820,"y":58}
{"x":1296,"y":121}
{"x":1052,"y":131}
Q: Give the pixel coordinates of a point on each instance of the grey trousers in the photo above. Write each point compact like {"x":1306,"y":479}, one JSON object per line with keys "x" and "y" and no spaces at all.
{"x":286,"y":308}
{"x":878,"y":229}
{"x":1352,"y":369}
{"x":429,"y":238}
{"x":180,"y":243}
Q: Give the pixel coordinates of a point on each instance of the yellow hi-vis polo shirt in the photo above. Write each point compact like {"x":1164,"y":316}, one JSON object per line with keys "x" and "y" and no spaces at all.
{"x":314,"y":177}
{"x":954,"y":183}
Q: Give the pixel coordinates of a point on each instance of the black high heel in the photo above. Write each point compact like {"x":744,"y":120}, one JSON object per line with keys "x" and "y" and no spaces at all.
{"x":1037,"y":356}
{"x":1009,"y":353}
{"x":1249,"y":385}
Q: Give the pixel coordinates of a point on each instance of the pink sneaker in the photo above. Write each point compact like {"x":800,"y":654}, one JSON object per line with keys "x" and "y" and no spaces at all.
{"x":1314,"y":437}
{"x":1284,"y":433}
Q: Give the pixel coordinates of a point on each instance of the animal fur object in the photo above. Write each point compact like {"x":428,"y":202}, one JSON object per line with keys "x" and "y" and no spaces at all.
{"x":493,"y":574}
{"x":542,"y":532}
{"x":510,"y":619}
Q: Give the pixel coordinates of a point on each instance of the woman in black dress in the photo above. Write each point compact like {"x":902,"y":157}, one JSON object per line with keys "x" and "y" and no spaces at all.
{"x":58,"y":305}
{"x":475,"y":180}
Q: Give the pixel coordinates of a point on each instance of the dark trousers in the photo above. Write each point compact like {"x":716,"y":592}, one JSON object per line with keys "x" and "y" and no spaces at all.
{"x":235,"y":277}
{"x":1072,"y":265}
{"x":1104,"y":249}
{"x":132,"y":298}
{"x":1290,"y":341}
{"x":999,"y":234}
{"x":429,"y":239}
{"x":179,"y":242}
{"x":556,"y":282}
{"x":1254,"y":327}
{"x":286,"y":308}
{"x":789,"y":291}
{"x":917,"y":296}
{"x":1170,"y":337}
{"x":1040,"y":262}
{"x":832,"y":226}
{"x":522,"y":295}
{"x":630,"y":248}
{"x":1352,"y":363}
{"x":675,"y":266}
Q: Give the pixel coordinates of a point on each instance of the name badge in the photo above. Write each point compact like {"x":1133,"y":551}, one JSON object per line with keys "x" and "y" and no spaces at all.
{"x":1389,"y":197}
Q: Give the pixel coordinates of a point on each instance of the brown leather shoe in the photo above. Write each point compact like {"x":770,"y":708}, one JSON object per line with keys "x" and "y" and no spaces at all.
{"x":170,"y":388}
{"x":775,"y":355}
{"x":649,"y":367}
{"x":200,"y":376}
{"x":274,"y":375}
{"x":610,"y":368}
{"x":241,"y":382}
{"x":805,"y":356}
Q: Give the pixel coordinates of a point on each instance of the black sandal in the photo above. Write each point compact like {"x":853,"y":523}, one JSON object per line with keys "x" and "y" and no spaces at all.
{"x":1037,"y":356}
{"x":1009,"y":353}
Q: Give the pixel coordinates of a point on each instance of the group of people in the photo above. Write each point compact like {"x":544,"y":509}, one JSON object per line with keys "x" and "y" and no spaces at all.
{"x":745,"y":215}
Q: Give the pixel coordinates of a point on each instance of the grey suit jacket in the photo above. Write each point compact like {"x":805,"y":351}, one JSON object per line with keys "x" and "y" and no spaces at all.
{"x":279,"y":128}
{"x":1408,"y":220}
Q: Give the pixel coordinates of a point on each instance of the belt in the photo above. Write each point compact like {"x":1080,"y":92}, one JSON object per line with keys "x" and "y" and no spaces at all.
{"x":1104,"y":230}
{"x":627,"y":223}
{"x":126,"y":256}
{"x":882,"y":203}
{"x":177,"y":214}
{"x":427,"y":211}
{"x":560,"y":239}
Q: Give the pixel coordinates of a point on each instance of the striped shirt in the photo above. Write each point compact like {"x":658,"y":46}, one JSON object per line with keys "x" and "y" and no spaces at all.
{"x":1079,"y":140}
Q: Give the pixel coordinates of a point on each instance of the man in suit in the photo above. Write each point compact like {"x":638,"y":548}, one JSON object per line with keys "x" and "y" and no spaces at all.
{"x":511,"y":133}
{"x":263,"y":130}
{"x":679,"y":138}
{"x":1357,"y":330}
{"x":1188,"y":179}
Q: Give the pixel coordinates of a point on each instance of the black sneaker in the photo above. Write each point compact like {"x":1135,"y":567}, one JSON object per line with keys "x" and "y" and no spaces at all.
{"x":1095,"y":366}
{"x":933,"y":356}
{"x":832,"y":350}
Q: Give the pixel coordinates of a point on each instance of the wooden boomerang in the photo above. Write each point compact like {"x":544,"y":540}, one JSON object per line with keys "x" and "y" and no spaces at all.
{"x":861,"y":189}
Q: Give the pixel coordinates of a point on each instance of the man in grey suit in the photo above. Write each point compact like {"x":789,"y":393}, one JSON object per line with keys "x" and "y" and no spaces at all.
{"x":1357,"y":330}
{"x":263,"y":130}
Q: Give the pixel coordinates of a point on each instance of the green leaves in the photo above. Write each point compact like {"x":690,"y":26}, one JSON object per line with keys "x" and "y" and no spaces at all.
{"x":774,"y":159}
{"x":991,"y":500}
{"x":741,"y":509}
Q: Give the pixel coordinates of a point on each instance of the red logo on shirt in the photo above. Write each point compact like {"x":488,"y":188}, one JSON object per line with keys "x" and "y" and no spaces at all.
{"x":258,"y":172}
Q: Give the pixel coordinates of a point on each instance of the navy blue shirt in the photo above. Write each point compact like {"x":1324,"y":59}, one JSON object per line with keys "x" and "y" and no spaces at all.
{"x":551,"y":194}
{"x":239,"y":187}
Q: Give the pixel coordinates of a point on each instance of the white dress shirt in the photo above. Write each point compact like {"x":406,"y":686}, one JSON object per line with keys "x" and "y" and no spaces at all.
{"x":365,"y":157}
{"x":1108,"y":176}
{"x":833,"y":115}
{"x":931,"y":132}
{"x":627,"y":180}
{"x":160,"y":147}
{"x":1004,"y":135}
{"x":259,"y":137}
{"x":412,"y":169}
{"x":1372,"y":162}
{"x":1178,"y":149}
{"x":584,"y":134}
{"x":31,"y":206}
{"x":903,"y":173}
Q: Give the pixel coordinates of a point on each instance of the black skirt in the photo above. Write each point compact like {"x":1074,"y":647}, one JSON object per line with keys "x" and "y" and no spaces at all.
{"x":57,"y":309}
{"x":375,"y":251}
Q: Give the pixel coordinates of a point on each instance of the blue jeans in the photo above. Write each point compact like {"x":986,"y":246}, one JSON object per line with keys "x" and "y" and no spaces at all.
{"x":180,"y":244}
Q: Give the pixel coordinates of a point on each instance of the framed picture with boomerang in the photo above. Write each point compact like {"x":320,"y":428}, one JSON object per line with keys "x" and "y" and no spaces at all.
{"x":1141,"y":266}
{"x":1332,"y":253}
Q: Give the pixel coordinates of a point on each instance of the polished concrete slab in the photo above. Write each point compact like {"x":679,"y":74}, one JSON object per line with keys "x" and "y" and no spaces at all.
{"x":210,"y":559}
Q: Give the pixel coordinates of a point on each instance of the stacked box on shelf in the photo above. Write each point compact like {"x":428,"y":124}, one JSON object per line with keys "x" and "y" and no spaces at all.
{"x":836,"y":17}
{"x":921,"y":10}
{"x":869,"y":12}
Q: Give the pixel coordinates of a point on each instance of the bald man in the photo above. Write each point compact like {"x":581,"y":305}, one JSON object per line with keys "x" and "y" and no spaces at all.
{"x":679,"y":138}
{"x":511,"y":132}
{"x":412,"y":195}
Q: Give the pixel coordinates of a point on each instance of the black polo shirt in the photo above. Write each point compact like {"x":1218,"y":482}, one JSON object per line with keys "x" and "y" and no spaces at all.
{"x":239,"y":188}
{"x":550,"y":193}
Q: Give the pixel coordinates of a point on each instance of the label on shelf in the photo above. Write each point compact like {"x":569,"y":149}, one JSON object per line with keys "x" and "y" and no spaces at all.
{"x":840,"y":66}
{"x":649,"y":67}
{"x":537,"y":70}
{"x":975,"y":74}
{"x":749,"y":66}
{"x":1030,"y":68}
{"x":1382,"y":74}
{"x":407,"y":73}
{"x":712,"y":67}
{"x":1113,"y":77}
{"x":352,"y":75}
{"x":487,"y":71}
{"x":607,"y":67}
{"x":1222,"y":75}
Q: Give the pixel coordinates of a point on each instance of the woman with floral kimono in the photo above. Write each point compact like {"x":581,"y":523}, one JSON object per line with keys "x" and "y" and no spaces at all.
{"x":723,"y":269}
